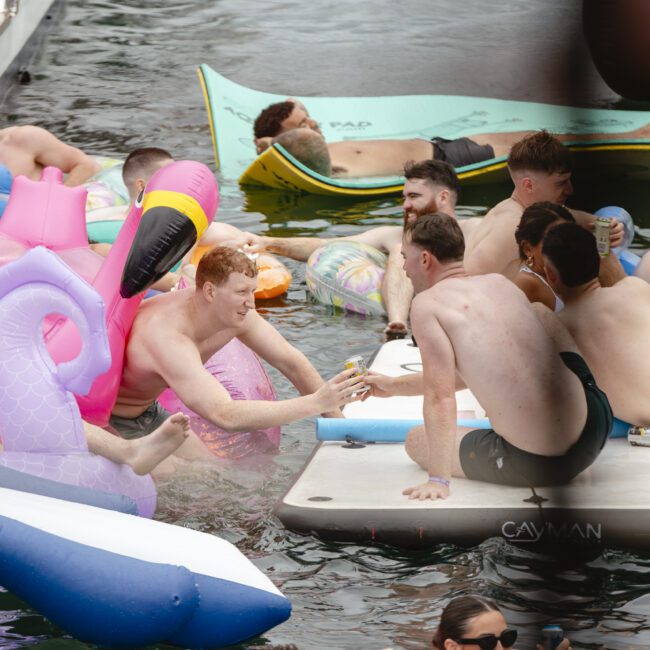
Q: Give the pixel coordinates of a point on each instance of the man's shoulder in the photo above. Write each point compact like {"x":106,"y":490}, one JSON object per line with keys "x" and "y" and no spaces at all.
{"x":507,"y":207}
{"x":624,"y":295}
{"x":492,"y":280}
{"x":468,"y":224}
{"x":26,"y":133}
{"x":587,"y":308}
{"x":9,"y":135}
{"x":525,"y":280}
{"x":159,"y":317}
{"x":495,"y":288}
{"x":632,"y":283}
{"x":443,"y":294}
{"x":426,"y":301}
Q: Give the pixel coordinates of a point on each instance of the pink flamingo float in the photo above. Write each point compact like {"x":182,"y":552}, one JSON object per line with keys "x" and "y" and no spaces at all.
{"x":178,"y":203}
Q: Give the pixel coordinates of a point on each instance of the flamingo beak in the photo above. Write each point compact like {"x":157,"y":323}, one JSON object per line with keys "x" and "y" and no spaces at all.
{"x":171,"y":223}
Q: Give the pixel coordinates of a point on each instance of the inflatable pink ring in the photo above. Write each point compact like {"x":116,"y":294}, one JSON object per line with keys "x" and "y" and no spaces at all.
{"x":241,"y":373}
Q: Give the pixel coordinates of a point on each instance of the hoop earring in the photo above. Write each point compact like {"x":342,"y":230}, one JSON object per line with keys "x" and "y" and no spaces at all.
{"x":529,"y":262}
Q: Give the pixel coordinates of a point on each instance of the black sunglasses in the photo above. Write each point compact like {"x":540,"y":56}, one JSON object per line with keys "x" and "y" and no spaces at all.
{"x":489,"y":641}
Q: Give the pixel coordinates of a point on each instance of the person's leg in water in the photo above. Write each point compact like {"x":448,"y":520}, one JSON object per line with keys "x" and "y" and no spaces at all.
{"x":141,"y":454}
{"x":146,"y":423}
{"x":397,"y":293}
{"x":502,"y":142}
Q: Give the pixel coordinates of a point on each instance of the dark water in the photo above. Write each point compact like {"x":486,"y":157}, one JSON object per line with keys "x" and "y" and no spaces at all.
{"x":114,"y":76}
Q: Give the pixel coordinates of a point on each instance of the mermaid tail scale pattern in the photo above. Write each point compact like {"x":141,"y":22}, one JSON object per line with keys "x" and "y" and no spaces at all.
{"x":40,"y":422}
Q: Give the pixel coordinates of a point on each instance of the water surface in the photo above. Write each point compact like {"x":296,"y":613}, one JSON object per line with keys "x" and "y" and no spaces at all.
{"x":114,"y":76}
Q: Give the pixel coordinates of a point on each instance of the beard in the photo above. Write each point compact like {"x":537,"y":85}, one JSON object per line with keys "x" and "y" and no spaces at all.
{"x":413,"y":214}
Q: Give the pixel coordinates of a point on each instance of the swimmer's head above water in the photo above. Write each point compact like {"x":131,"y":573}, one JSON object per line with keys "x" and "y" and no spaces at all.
{"x":225,"y":284}
{"x":217,"y":265}
{"x":431,"y":186}
{"x":282,"y":117}
{"x":140,"y":165}
{"x":540,"y":167}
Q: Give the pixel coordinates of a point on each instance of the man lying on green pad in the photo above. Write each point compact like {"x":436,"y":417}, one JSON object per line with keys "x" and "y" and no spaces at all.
{"x":289,"y":124}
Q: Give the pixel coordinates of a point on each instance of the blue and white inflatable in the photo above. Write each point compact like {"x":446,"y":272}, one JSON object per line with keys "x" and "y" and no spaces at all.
{"x":114,"y":579}
{"x":15,"y":480}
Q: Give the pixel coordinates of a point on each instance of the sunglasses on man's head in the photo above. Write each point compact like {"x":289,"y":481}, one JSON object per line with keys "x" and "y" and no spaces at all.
{"x":489,"y":641}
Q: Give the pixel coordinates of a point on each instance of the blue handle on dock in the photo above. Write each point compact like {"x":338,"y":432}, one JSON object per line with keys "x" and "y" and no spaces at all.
{"x":375,"y":430}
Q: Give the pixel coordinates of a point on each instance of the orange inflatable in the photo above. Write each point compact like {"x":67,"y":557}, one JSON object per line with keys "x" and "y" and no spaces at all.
{"x":273,"y":277}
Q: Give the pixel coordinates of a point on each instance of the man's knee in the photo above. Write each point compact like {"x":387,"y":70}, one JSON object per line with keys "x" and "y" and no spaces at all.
{"x":416,"y":444}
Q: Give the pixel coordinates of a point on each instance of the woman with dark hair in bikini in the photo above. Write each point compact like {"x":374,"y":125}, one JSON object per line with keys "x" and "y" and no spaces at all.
{"x":535,"y":223}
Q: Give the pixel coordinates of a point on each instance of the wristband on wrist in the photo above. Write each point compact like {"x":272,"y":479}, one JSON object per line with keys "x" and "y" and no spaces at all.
{"x":437,"y":479}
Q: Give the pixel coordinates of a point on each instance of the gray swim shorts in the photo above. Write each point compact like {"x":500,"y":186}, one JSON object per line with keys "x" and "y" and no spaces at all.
{"x":146,"y":423}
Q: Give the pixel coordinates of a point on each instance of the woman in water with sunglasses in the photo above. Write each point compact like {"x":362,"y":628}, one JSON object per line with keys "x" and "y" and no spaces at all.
{"x":471,"y":622}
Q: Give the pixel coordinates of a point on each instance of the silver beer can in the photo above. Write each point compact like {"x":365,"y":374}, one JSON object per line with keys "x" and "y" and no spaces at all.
{"x":639,"y":436}
{"x":358,"y":363}
{"x":601,"y":232}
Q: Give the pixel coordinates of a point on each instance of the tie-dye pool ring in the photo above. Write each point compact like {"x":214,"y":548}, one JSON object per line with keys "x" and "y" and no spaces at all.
{"x":106,"y":188}
{"x":347,"y":275}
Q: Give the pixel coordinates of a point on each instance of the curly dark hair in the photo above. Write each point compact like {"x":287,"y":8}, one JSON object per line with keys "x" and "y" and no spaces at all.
{"x":268,"y":123}
{"x":536,"y":220}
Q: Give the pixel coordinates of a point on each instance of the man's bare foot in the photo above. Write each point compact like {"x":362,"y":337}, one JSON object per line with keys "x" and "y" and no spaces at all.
{"x":395,"y":330}
{"x":150,"y":450}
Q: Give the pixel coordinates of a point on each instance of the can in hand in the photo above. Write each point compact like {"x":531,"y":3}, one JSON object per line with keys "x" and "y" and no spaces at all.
{"x":601,"y":232}
{"x":357,"y":362}
{"x":552,"y":636}
{"x":639,"y":436}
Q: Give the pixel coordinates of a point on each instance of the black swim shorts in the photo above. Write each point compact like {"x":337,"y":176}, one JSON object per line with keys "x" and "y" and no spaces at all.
{"x":147,"y":422}
{"x":460,"y":152}
{"x":486,"y":456}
